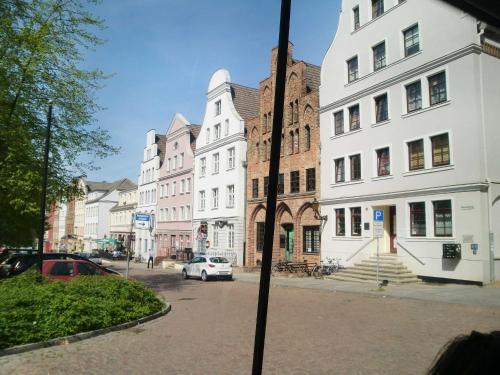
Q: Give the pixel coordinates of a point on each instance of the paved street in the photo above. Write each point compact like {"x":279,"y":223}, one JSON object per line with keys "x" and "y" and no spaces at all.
{"x":318,"y":330}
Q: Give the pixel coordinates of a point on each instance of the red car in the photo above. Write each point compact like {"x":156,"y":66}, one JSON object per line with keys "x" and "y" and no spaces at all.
{"x":66,"y":270}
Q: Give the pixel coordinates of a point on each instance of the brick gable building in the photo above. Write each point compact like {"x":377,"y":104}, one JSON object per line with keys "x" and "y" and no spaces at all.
{"x":297,"y":232}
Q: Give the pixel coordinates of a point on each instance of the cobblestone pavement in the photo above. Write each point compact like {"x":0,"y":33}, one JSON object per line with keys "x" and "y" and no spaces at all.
{"x":310,"y":331}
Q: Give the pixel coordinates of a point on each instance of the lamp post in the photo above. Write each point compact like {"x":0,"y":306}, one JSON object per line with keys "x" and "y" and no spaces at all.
{"x":43,"y":197}
{"x":317,"y":214}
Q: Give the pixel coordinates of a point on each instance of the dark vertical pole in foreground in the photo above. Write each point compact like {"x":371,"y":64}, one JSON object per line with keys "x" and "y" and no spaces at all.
{"x":43,"y":198}
{"x":274,"y":166}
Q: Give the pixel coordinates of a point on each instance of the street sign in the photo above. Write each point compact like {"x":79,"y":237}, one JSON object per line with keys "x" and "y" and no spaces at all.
{"x":142,"y":221}
{"x":378,"y":215}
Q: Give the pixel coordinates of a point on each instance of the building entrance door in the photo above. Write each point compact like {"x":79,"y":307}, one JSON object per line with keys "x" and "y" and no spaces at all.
{"x":289,"y":235}
{"x":392,"y":229}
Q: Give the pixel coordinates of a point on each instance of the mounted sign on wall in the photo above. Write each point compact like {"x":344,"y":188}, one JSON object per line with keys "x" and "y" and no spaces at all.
{"x":142,"y":221}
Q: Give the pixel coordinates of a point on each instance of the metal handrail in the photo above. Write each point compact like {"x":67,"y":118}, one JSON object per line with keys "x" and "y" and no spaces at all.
{"x":408,"y":251}
{"x":361,"y":248}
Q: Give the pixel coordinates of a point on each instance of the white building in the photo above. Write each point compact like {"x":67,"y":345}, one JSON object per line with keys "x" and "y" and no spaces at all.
{"x":101,"y":197}
{"x":62,"y":210}
{"x":409,"y":124}
{"x":152,"y":157}
{"x":220,"y":168}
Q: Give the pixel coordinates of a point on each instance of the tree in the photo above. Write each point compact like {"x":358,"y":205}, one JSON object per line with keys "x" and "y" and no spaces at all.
{"x":42,"y":45}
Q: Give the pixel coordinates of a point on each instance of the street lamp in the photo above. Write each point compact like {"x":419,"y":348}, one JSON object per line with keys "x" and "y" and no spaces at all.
{"x":317,"y":214}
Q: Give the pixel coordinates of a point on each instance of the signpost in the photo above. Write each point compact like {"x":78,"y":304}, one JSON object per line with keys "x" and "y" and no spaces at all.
{"x":142,"y":221}
{"x":378,"y":232}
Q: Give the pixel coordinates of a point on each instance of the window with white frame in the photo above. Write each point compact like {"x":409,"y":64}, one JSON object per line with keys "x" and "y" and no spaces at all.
{"x":201,"y":205}
{"x":167,"y":218}
{"x":383,"y":161}
{"x":338,"y":119}
{"x":417,"y":219}
{"x":182,"y":213}
{"x":339,"y":170}
{"x":354,"y":121}
{"x":215,"y":164}
{"x":218,"y":107}
{"x":416,"y":158}
{"x":217,"y":132}
{"x":174,"y":188}
{"x":413,"y":96}
{"x":167,"y":191}
{"x":443,"y":225}
{"x":215,"y":231}
{"x":340,"y":222}
{"x":377,"y":8}
{"x":355,"y":15}
{"x":381,"y":108}
{"x":188,"y":185}
{"x":168,"y":165}
{"x":440,"y":150}
{"x":355,"y":221}
{"x":230,"y":158}
{"x":215,"y":198}
{"x":174,"y":165}
{"x":162,"y":187}
{"x":183,"y":186}
{"x":174,"y":213}
{"x":379,"y":56}
{"x":203,"y":167}
{"x":230,"y":196}
{"x":230,"y":236}
{"x":352,"y":69}
{"x":226,"y":127}
{"x":207,"y":137}
{"x":412,"y":43}
{"x":188,"y":212}
{"x":181,"y":160}
{"x":437,"y":88}
{"x":355,"y":161}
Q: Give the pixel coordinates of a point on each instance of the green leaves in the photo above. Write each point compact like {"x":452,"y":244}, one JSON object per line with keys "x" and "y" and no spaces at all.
{"x":42,"y":44}
{"x":35,"y":309}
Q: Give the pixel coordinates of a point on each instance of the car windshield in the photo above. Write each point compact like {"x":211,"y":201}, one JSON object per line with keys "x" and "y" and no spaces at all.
{"x":218,"y":260}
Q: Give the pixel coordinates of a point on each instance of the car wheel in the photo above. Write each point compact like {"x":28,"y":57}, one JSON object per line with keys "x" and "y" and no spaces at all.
{"x":204,"y":276}
{"x":185,"y":275}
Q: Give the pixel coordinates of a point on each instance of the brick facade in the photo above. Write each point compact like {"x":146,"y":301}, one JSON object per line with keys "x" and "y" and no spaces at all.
{"x":299,"y":151}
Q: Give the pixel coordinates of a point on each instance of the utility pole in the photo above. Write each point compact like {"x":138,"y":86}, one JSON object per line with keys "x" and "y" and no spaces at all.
{"x":274,"y":166}
{"x":43,"y":198}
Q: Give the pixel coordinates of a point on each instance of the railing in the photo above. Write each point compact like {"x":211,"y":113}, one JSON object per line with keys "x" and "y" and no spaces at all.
{"x":359,"y":250}
{"x":409,"y":252}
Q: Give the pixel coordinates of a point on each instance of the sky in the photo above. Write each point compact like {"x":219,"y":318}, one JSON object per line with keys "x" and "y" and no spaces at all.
{"x":162,"y":53}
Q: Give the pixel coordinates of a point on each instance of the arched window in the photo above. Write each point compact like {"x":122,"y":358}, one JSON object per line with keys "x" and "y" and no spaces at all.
{"x":297,"y":138}
{"x":264,"y":123}
{"x":307,"y":138}
{"x":290,"y":143}
{"x":257,"y":151}
{"x":296,"y":111}
{"x":264,"y":151}
{"x":290,"y":114}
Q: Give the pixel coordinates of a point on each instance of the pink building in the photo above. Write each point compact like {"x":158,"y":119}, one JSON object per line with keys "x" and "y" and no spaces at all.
{"x":175,"y":188}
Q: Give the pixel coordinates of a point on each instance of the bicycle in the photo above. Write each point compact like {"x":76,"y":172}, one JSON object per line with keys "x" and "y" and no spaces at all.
{"x":333,"y":265}
{"x":281,"y":266}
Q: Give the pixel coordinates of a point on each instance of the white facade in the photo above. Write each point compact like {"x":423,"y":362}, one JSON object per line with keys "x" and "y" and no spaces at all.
{"x":409,"y":127}
{"x":220,"y":173}
{"x":147,"y":193}
{"x":61,"y":223}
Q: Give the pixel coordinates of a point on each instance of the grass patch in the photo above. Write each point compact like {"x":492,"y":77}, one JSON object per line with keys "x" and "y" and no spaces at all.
{"x":34,"y":308}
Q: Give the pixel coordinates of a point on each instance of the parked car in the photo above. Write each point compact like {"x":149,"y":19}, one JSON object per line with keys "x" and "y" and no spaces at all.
{"x":66,"y":270}
{"x":206,"y":267}
{"x":93,"y":257}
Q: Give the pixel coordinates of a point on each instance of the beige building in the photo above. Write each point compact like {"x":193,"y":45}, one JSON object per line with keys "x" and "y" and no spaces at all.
{"x":79,"y":221}
{"x":120,"y":227}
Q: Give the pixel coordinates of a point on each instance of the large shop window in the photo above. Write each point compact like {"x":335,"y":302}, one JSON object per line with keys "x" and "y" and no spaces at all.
{"x":311,"y":239}
{"x":356,"y":221}
{"x":440,"y":150}
{"x":443,"y":226}
{"x":259,"y":238}
{"x":340,"y":222}
{"x":417,"y":219}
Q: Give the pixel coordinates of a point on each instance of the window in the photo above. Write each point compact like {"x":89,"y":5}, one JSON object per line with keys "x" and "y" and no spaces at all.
{"x":352,"y":69}
{"x":437,"y":88}
{"x":416,"y":155}
{"x":338,"y":119}
{"x":355,"y":14}
{"x":215,"y":163}
{"x":383,"y":162}
{"x":215,"y":242}
{"x":291,"y":143}
{"x":281,"y":184}
{"x":175,"y":162}
{"x":168,"y":165}
{"x":174,"y":187}
{"x":413,"y":97}
{"x":264,"y":151}
{"x":339,"y":170}
{"x":379,"y":56}
{"x":230,"y":158}
{"x":442,"y":218}
{"x":307,"y":138}
{"x":218,"y":108}
{"x":296,"y":111}
{"x":265,"y":127}
{"x":340,"y":222}
{"x":62,"y":269}
{"x":377,"y":8}
{"x":311,"y":239}
{"x":202,"y":200}
{"x":354,"y":122}
{"x":226,"y":127}
{"x":311,"y":179}
{"x":255,"y":188}
{"x":355,"y":167}
{"x":381,"y":108}
{"x":217,"y":131}
{"x":230,"y":236}
{"x":296,"y":146}
{"x":230,"y":196}
{"x":203,"y":167}
{"x":440,"y":150}
{"x":257,"y":149}
{"x":417,"y":219}
{"x":181,"y":160}
{"x":208,"y":136}
{"x":174,"y":214}
{"x":162,"y":187}
{"x":215,"y":198}
{"x":294,"y":182}
{"x":412,"y":44}
{"x":183,"y":186}
{"x":167,"y":217}
{"x":290,"y":117}
{"x":259,"y":238}
{"x":188,"y":185}
{"x":167,"y":190}
{"x":356,"y":221}
{"x":266,"y":185}
{"x":182,"y":213}
{"x":188,"y":212}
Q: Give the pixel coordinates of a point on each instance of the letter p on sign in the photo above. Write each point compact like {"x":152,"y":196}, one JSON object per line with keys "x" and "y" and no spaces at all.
{"x":378,"y":215}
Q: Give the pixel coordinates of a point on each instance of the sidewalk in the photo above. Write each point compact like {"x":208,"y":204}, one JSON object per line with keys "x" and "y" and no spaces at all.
{"x":446,"y":293}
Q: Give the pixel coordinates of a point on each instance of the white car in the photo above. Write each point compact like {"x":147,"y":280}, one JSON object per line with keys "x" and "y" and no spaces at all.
{"x":206,"y":267}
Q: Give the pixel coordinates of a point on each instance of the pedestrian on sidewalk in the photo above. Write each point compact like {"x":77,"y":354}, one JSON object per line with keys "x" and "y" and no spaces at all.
{"x":150,"y":258}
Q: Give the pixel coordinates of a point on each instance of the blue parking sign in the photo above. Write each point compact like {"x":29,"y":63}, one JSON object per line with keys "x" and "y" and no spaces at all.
{"x":378,"y":215}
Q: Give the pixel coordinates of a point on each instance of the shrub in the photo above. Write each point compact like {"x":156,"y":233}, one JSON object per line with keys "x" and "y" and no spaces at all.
{"x":34,"y":308}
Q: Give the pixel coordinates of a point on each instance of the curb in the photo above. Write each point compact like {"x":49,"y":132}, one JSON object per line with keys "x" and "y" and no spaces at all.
{"x":83,"y":335}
